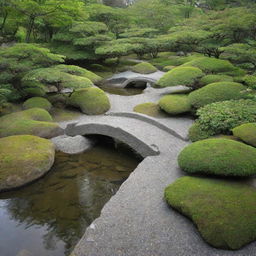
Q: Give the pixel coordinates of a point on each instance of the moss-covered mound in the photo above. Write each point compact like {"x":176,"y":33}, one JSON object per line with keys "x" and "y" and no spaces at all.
{"x":23,"y":159}
{"x":224,"y":212}
{"x":91,"y":101}
{"x":210,"y":65}
{"x":175,"y":104}
{"x":144,"y":68}
{"x":187,"y":76}
{"x":209,"y":79}
{"x":34,"y":121}
{"x":196,"y":132}
{"x":150,"y":109}
{"x":215,"y":92}
{"x":168,"y":68}
{"x":37,"y":102}
{"x":218,"y":157}
{"x":246,"y":132}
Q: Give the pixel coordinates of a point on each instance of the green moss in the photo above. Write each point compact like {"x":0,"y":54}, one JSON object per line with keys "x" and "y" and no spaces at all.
{"x":250,"y":81}
{"x":196,"y":132}
{"x":144,"y":68}
{"x":209,"y":79}
{"x":168,"y":68}
{"x":150,"y":109}
{"x":61,"y":114}
{"x":223,"y":211}
{"x":246,"y":132}
{"x":211,"y":65}
{"x":91,"y":101}
{"x":24,"y":158}
{"x":187,"y":76}
{"x":34,"y":121}
{"x":218,"y":157}
{"x":175,"y":104}
{"x":37,"y":102}
{"x":34,"y":92}
{"x":215,"y":92}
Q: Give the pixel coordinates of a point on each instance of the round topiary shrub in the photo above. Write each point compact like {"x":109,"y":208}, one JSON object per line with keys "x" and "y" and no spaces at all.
{"x":246,"y":132}
{"x":221,"y":117}
{"x":210,"y":65}
{"x":168,"y":68}
{"x":218,"y":157}
{"x":144,"y":68}
{"x":223,"y":211}
{"x":37,"y":102}
{"x":209,"y":79}
{"x":150,"y":109}
{"x":187,"y":76}
{"x":215,"y":92}
{"x":175,"y":104}
{"x":91,"y":101}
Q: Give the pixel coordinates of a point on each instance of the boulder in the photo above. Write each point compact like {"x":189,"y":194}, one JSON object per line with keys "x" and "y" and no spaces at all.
{"x":23,"y":159}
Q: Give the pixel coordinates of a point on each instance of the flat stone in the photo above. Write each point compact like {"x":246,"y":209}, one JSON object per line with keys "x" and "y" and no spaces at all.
{"x":72,"y":145}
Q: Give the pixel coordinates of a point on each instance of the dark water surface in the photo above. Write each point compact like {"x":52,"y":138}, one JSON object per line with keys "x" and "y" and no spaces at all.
{"x":48,"y":217}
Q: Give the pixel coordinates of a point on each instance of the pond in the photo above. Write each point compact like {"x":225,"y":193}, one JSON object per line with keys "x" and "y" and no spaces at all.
{"x":49,"y":216}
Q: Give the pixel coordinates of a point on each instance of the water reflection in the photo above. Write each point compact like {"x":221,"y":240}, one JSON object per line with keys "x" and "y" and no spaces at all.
{"x":50,"y":216}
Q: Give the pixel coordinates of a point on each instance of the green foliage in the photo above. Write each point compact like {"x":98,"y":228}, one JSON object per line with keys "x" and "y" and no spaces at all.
{"x":216,"y":207}
{"x":209,"y":79}
{"x":37,"y":102}
{"x":210,"y":65}
{"x":218,"y":157}
{"x":250,"y":80}
{"x":187,"y":76}
{"x":34,"y":121}
{"x":221,"y":117}
{"x":175,"y":104}
{"x":196,"y":132}
{"x":91,"y":101}
{"x":144,"y":68}
{"x":215,"y":92}
{"x":149,"y":108}
{"x":246,"y":132}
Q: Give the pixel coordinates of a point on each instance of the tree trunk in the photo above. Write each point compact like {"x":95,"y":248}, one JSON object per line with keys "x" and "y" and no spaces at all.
{"x":30,"y":28}
{"x":4,"y":22}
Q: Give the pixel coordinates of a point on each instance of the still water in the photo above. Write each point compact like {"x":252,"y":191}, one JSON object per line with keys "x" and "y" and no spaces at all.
{"x":48,"y":217}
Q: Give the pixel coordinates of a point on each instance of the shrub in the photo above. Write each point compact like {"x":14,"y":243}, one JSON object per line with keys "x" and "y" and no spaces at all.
{"x":221,"y":117}
{"x":250,"y":81}
{"x":209,"y":79}
{"x":223,"y":211}
{"x":168,"y":68}
{"x":210,"y":65}
{"x":246,"y":132}
{"x":218,"y":157}
{"x":144,"y":68}
{"x":187,"y":76}
{"x":175,"y":104}
{"x":149,"y":108}
{"x":37,"y":102}
{"x":91,"y":101}
{"x":215,"y":92}
{"x":196,"y":133}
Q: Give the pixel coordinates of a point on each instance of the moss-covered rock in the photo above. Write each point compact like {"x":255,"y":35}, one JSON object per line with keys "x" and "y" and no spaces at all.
{"x":168,"y":68}
{"x":187,"y":76}
{"x":215,"y":92}
{"x":218,"y":157}
{"x":34,"y":121}
{"x":209,"y":79}
{"x":91,"y":101}
{"x":37,"y":102}
{"x":210,"y":65}
{"x":144,"y":68}
{"x":224,"y":212}
{"x":246,"y":132}
{"x":23,"y":159}
{"x":175,"y":104}
{"x":150,"y":109}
